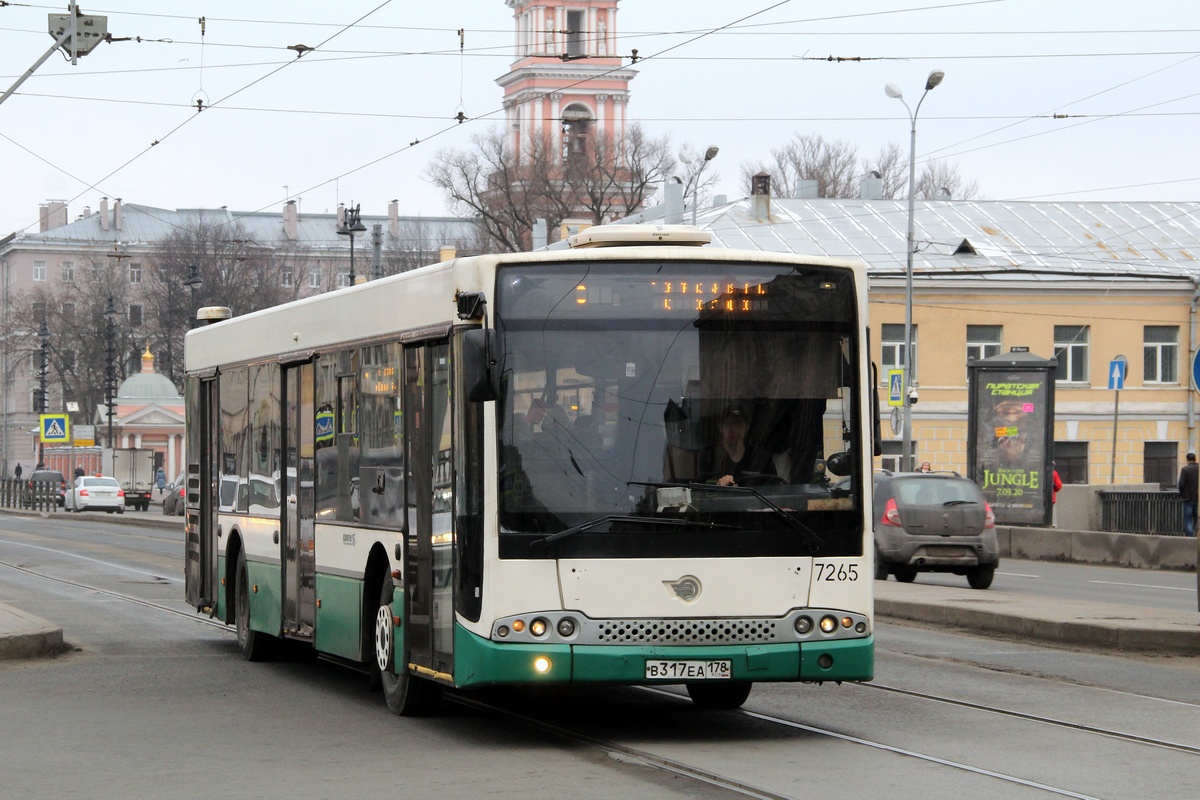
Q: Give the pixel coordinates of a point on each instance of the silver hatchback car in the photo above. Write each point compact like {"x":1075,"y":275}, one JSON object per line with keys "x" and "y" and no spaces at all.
{"x":933,"y":522}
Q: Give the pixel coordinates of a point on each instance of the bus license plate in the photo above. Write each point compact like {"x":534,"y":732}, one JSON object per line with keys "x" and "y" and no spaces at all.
{"x":688,"y":670}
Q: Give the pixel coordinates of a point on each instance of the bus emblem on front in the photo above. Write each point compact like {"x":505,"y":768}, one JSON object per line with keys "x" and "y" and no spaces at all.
{"x":686,"y":588}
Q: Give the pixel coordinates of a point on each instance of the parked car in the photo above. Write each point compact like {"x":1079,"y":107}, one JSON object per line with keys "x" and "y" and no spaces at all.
{"x":173,"y":499}
{"x":45,"y":476}
{"x":96,"y":493}
{"x":933,"y":522}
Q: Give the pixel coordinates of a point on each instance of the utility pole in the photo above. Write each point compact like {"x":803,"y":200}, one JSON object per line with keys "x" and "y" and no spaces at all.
{"x":77,"y":34}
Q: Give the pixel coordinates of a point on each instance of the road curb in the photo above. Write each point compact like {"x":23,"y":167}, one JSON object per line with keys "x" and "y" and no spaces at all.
{"x":23,"y":635}
{"x":1099,"y":626}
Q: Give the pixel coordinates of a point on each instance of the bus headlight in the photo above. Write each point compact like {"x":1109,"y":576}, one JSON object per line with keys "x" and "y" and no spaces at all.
{"x":829,"y":623}
{"x":566,"y":627}
{"x":538,"y":627}
{"x":541,"y":665}
{"x":803,"y":625}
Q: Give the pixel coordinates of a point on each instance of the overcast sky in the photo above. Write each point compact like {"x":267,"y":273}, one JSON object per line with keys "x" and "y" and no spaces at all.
{"x":337,"y":124}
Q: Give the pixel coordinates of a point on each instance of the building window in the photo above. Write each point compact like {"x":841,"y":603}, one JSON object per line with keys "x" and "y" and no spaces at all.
{"x":1071,"y":350}
{"x":68,"y":271}
{"x":35,"y":401}
{"x":135,"y":316}
{"x":135,"y":273}
{"x":1161,"y":354}
{"x":1160,"y":464}
{"x":69,"y":313}
{"x":68,"y":361}
{"x":343,"y":279}
{"x":893,"y":449}
{"x":39,"y":310}
{"x":287,"y":279}
{"x":893,"y":348}
{"x":575,"y":33}
{"x":1071,"y":461}
{"x":39,"y":270}
{"x":983,"y":341}
{"x":314,"y":279}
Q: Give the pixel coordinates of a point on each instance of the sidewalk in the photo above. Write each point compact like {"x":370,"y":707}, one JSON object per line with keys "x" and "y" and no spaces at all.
{"x":26,"y":636}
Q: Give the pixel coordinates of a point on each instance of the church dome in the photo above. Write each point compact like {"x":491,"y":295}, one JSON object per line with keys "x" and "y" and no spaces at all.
{"x":148,"y":384}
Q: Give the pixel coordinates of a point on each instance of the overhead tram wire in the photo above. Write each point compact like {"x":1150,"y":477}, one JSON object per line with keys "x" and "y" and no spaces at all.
{"x":189,"y":119}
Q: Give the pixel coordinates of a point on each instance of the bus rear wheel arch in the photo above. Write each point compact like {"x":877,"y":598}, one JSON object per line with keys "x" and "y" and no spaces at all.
{"x":719,"y":696}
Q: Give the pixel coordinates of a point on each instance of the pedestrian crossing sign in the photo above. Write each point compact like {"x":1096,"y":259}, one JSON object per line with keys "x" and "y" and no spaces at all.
{"x":55,"y":428}
{"x":895,"y":387}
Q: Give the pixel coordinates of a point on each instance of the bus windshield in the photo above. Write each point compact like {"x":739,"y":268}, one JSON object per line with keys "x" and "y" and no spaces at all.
{"x":678,"y":408}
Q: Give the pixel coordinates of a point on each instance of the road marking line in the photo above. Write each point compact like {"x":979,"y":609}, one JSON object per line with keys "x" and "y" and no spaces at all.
{"x":1147,"y":586}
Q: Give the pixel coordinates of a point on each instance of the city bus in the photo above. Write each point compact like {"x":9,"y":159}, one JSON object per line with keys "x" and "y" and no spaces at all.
{"x":635,"y":459}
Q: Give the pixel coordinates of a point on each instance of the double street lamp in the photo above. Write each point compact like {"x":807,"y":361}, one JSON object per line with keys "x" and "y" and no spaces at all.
{"x":351,"y":226}
{"x":193,"y":281}
{"x":110,"y":373}
{"x":910,"y":377}
{"x":43,"y":375}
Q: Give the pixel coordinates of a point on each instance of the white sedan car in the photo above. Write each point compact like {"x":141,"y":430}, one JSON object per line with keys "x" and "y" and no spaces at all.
{"x":101,"y":494}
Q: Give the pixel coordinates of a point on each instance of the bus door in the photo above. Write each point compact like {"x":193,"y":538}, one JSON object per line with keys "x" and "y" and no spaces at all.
{"x":429,"y":538}
{"x":296,"y":487}
{"x":200,"y":504}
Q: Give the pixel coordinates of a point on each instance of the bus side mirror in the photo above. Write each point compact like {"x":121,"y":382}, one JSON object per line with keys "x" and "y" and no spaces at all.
{"x":479,"y":374}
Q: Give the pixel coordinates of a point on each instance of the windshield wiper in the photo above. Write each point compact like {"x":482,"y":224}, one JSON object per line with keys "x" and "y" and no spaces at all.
{"x":598,"y":521}
{"x":791,"y":521}
{"x":960,"y":503}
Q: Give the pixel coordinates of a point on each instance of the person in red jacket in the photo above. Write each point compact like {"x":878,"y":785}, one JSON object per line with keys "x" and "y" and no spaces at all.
{"x":1056,"y":485}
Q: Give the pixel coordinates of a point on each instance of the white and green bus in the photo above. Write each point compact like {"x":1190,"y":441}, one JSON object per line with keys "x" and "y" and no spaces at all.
{"x":634,"y":460}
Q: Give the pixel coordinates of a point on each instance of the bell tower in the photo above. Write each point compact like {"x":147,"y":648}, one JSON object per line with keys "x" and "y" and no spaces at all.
{"x":567,"y":84}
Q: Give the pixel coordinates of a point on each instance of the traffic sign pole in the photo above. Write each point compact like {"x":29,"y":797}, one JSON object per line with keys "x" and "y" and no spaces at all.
{"x":1116,"y":382}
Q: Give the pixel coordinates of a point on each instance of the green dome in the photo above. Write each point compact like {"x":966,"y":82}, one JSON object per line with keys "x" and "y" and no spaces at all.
{"x":148,"y":384}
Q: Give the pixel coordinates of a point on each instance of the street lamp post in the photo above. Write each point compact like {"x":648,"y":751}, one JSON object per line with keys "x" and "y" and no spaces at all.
{"x":110,"y":375}
{"x":193,"y":281}
{"x":43,"y":401}
{"x":709,"y":155}
{"x":350,"y":227}
{"x":910,"y":377}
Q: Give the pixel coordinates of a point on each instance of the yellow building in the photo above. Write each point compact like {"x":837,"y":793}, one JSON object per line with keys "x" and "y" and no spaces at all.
{"x":1084,"y":283}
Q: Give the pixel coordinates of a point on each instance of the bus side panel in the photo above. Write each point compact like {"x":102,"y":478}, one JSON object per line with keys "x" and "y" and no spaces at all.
{"x":265,"y":597}
{"x":339,"y":615}
{"x":220,"y":606}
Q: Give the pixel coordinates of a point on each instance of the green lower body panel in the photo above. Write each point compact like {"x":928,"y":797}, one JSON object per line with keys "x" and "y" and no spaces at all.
{"x":220,"y":607}
{"x":266,"y":602}
{"x":481,"y":662}
{"x":339,"y":615}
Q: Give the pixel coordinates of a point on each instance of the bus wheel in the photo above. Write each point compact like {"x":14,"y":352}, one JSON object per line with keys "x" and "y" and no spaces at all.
{"x":723,"y":695}
{"x":255,"y":646}
{"x":406,"y":694}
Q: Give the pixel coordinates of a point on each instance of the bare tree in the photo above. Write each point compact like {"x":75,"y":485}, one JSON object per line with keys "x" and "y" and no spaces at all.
{"x":593,"y":176}
{"x":236,"y":271}
{"x":837,"y":168}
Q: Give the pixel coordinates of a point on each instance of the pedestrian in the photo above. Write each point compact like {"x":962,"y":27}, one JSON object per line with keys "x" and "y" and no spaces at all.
{"x":1056,"y":485}
{"x":925,"y":467}
{"x":17,"y":471}
{"x":1189,"y":483}
{"x":79,"y":470}
{"x":161,"y":480}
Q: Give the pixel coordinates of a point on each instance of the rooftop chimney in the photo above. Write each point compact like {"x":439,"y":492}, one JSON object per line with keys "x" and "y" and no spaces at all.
{"x":52,"y":214}
{"x":117,"y":214}
{"x":290,"y":218}
{"x":103,"y":213}
{"x":760,"y":196}
{"x":673,"y":203}
{"x":394,"y":219}
{"x":871,"y":186}
{"x":341,"y":215}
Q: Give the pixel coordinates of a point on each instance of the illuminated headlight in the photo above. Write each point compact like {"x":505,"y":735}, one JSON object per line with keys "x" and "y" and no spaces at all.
{"x":566,"y":627}
{"x":847,"y":622}
{"x":828,"y":624}
{"x":538,"y":627}
{"x":541,"y":665}
{"x":803,"y":625}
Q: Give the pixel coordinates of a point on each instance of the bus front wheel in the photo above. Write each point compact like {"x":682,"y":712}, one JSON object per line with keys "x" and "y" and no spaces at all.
{"x":405,"y":693}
